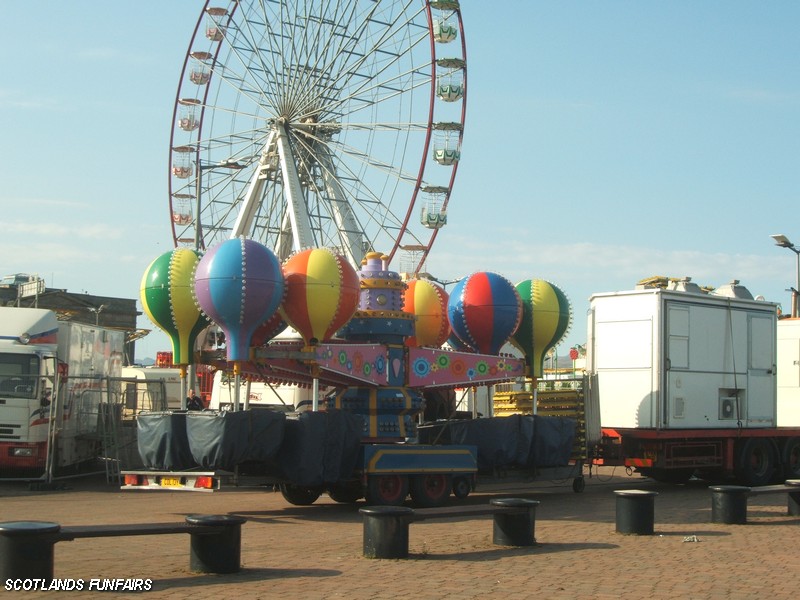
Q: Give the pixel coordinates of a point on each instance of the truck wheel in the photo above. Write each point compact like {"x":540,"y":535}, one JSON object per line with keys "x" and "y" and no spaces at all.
{"x":578,"y":485}
{"x":461,"y":487}
{"x":430,"y":490}
{"x":755,"y":462}
{"x":791,"y":459}
{"x":300,"y":495}
{"x":387,"y":490}
{"x":346,"y":493}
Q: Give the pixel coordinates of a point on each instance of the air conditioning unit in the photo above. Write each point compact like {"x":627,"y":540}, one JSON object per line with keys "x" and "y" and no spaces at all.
{"x":727,"y":408}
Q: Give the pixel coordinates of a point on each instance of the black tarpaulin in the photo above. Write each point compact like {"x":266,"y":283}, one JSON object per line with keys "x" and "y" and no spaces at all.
{"x":161,"y":438}
{"x":221,"y":440}
{"x":501,"y":441}
{"x":320,"y":447}
{"x":512,"y":441}
{"x":552,"y":445}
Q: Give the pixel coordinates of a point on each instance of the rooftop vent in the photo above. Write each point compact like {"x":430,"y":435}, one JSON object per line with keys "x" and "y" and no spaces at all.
{"x":733,"y":290}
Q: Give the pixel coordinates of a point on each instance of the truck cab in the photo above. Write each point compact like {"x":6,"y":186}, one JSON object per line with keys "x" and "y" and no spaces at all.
{"x":55,"y":377}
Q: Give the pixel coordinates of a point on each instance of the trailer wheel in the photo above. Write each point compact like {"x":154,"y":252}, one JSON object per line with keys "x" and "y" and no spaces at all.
{"x":791,"y":458}
{"x":346,"y":493}
{"x":430,"y":490}
{"x":387,"y":490}
{"x":461,"y":487}
{"x":578,"y":485}
{"x":300,"y":495}
{"x":756,"y":462}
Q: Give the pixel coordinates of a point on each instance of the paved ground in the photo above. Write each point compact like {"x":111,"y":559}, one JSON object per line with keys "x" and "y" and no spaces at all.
{"x":316,"y":551}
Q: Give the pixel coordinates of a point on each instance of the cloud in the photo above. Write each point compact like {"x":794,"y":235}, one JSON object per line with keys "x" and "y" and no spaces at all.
{"x":599,"y":264}
{"x":47,"y":257}
{"x":47,"y":202}
{"x":44,"y":230}
{"x":15,"y":99}
{"x":583,"y":269}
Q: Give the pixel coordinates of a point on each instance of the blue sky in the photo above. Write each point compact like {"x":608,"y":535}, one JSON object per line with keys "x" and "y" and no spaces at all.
{"x":605,"y":142}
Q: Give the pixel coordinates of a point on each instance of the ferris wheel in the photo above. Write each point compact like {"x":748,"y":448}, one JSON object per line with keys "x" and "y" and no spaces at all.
{"x":332,"y":123}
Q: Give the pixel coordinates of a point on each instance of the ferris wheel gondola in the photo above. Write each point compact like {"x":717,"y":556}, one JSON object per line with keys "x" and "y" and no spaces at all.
{"x":334,"y":123}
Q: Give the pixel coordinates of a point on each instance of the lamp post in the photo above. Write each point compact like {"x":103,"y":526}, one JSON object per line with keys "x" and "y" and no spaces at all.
{"x":782,"y":241}
{"x":444,"y":284}
{"x":97,"y":310}
{"x":226,"y":164}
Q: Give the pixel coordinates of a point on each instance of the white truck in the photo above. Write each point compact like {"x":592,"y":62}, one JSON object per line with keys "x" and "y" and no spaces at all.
{"x":59,"y":382}
{"x":257,"y":394}
{"x":151,"y":388}
{"x":789,"y":372}
{"x":687,"y":381}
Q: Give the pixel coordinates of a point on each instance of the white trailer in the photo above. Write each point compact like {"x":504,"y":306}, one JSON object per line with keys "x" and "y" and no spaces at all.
{"x":258,"y":394}
{"x":789,"y":373}
{"x":687,"y":382}
{"x":57,"y":382}
{"x":674,"y":360}
{"x":152,"y":388}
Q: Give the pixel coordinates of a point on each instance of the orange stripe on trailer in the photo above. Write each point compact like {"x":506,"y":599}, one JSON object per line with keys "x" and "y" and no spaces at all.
{"x":638,"y":462}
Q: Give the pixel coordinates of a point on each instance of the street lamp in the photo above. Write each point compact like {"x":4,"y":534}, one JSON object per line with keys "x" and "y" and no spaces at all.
{"x":782,"y":241}
{"x":444,"y":284}
{"x":97,"y":310}
{"x":225,"y":164}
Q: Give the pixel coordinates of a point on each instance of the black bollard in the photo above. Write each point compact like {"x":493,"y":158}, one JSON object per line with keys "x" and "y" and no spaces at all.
{"x":729,"y":504}
{"x":515,"y":528}
{"x":793,"y":504}
{"x":635,"y":511}
{"x":386,"y":531}
{"x":216,"y":552}
{"x":26,"y":549}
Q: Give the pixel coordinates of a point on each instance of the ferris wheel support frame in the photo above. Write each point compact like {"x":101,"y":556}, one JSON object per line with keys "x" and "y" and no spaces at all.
{"x":249,"y":205}
{"x":346,"y":223}
{"x":298,"y":215}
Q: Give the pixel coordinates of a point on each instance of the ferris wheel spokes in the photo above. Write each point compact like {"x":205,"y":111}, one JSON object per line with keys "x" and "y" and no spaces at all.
{"x":333,"y":107}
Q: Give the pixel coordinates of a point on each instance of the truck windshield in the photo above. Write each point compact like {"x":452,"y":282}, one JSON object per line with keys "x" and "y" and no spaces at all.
{"x":18,"y":374}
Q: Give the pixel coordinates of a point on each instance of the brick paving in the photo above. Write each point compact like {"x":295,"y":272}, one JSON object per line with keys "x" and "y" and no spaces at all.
{"x":315,"y":552}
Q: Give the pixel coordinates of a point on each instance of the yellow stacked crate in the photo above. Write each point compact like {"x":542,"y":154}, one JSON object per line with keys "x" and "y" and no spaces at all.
{"x":564,"y":398}
{"x":513,"y":403}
